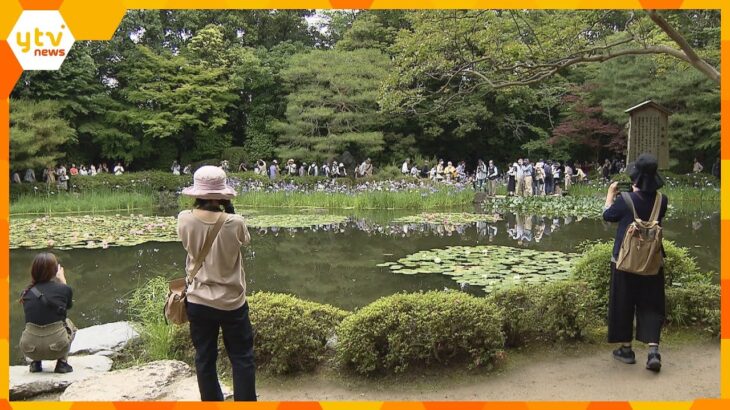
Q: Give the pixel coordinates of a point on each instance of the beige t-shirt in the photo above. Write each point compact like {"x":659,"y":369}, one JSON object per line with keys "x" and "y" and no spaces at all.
{"x":221,"y":281}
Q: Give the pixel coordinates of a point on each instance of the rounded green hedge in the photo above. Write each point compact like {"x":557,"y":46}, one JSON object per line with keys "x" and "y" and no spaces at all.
{"x":290,"y":334}
{"x":594,"y":268}
{"x":557,"y":311}
{"x":695,"y":305}
{"x":397,"y":331}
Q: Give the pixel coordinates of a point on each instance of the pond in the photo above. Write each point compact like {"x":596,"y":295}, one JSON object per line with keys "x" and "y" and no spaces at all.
{"x":335,"y":265}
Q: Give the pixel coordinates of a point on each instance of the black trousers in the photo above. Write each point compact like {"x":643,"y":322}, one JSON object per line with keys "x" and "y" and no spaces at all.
{"x":635,"y":296}
{"x":205,"y":322}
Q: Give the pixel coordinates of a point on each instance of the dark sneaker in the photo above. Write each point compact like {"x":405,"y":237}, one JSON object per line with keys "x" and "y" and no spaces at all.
{"x":63,"y":367}
{"x":36,"y":367}
{"x":654,"y":363}
{"x":624,"y":355}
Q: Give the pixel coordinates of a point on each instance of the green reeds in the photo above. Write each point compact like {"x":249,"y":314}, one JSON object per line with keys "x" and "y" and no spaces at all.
{"x":65,"y":202}
{"x":415,"y":200}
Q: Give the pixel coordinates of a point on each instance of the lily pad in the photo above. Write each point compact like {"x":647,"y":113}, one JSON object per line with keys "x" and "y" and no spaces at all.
{"x":91,"y":232}
{"x":490,"y":267}
{"x":103,"y":231}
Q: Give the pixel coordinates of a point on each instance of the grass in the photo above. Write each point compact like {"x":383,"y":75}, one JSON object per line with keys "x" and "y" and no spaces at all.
{"x":63,"y":202}
{"x":146,"y":311}
{"x":675,"y":193}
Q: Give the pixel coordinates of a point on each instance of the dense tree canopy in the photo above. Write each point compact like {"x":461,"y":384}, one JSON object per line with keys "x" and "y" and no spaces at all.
{"x":199,"y":85}
{"x":37,"y":130}
{"x":332,"y":106}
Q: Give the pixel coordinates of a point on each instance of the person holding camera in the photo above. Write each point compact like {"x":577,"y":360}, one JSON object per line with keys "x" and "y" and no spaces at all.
{"x":637,"y":272}
{"x":48,"y":333}
{"x":216,"y":297}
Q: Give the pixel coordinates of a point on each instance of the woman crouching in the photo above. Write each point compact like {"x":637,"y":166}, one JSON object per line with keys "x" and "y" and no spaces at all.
{"x":48,"y":333}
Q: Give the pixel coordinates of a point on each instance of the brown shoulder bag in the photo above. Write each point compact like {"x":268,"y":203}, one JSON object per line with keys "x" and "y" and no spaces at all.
{"x":175,"y":304}
{"x":641,"y":249}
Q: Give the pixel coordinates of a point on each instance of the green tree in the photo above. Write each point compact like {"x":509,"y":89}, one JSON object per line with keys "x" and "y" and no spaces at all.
{"x":694,"y":126}
{"x":332,"y":106}
{"x":373,"y":29}
{"x":448,"y":54}
{"x":37,"y":132}
{"x":171,"y":98}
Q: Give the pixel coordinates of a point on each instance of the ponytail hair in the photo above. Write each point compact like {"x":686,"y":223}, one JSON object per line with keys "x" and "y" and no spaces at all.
{"x":43,"y":269}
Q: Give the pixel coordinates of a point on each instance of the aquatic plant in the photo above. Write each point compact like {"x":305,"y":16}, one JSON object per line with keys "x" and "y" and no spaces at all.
{"x":489,"y":267}
{"x":103,"y":231}
{"x":547,"y":205}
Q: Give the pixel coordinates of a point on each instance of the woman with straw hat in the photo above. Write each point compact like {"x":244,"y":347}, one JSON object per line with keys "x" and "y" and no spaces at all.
{"x":216,"y":297}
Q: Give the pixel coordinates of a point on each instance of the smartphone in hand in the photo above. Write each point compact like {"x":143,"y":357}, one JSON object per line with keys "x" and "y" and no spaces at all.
{"x":625,"y":187}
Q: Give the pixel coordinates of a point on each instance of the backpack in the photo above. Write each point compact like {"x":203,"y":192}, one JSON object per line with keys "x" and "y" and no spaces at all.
{"x":641,"y":249}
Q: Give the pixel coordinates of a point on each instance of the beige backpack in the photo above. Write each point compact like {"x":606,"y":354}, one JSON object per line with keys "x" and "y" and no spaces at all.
{"x":641,"y":249}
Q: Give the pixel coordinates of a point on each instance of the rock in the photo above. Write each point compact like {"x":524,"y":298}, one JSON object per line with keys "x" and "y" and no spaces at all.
{"x":24,"y":384}
{"x":151,"y":381}
{"x":101,"y":338}
{"x":187,"y":390}
{"x":332,"y":342}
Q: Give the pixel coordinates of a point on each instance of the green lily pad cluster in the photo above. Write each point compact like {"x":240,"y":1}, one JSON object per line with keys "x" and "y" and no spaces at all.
{"x":490,"y":267}
{"x":103,"y":231}
{"x":459,"y":218}
{"x":100,"y":231}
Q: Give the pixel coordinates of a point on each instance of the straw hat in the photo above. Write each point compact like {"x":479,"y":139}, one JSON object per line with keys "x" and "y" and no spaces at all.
{"x":209,"y":182}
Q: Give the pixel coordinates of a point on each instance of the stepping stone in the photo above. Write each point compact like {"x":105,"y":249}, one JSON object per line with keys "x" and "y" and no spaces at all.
{"x":24,"y":384}
{"x":109,"y":337}
{"x":148,"y":382}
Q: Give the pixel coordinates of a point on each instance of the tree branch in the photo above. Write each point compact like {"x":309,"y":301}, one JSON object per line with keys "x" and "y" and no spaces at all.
{"x":691,"y":56}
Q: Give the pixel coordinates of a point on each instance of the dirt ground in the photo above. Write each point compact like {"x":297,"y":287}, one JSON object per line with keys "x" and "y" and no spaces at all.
{"x":690,"y":371}
{"x":582,"y":372}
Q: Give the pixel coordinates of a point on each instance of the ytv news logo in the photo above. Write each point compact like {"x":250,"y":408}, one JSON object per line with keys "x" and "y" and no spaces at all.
{"x":40,"y":40}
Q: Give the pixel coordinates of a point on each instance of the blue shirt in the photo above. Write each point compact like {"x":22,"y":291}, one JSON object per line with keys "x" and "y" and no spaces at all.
{"x":621,"y":213}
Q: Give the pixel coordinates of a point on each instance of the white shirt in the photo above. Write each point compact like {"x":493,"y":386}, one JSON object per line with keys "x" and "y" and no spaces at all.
{"x":118,"y":170}
{"x":404,"y":168}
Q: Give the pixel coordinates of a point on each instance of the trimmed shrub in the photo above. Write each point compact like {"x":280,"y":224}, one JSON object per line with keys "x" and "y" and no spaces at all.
{"x":558,"y":311}
{"x":564,"y":310}
{"x":695,"y":305}
{"x":290,"y":334}
{"x":594,"y":268}
{"x":400,"y":330}
{"x":517,"y":304}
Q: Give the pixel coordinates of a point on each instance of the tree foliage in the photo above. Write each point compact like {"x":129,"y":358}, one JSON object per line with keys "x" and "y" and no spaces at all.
{"x":37,"y":131}
{"x":332,"y":106}
{"x":198,"y":85}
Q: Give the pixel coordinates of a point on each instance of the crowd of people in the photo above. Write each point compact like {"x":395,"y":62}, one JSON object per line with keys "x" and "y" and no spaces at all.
{"x":522,"y":177}
{"x":60,"y":175}
{"x":333,"y":169}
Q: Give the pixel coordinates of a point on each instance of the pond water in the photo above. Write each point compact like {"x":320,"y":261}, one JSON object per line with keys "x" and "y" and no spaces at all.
{"x":336,"y":265}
